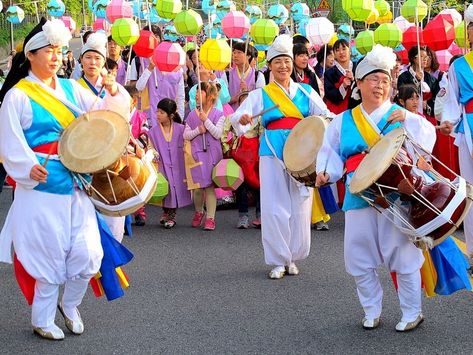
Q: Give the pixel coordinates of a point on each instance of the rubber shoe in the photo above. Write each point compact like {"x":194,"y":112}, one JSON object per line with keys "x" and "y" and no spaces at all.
{"x":321,"y":226}
{"x":75,"y":326}
{"x":164,"y":218}
{"x":139,"y":221}
{"x":408,"y":326}
{"x":370,"y":324}
{"x":277,"y":273}
{"x":209,"y":224}
{"x":52,"y":333}
{"x":197,"y":220}
{"x":243,"y":222}
{"x":292,"y":269}
{"x":256,"y":223}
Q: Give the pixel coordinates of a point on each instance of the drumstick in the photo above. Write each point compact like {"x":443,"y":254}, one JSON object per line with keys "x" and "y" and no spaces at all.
{"x":385,"y":126}
{"x":51,"y":149}
{"x":264,"y":111}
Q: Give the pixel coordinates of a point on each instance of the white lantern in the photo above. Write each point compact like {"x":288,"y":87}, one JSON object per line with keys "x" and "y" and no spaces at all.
{"x":319,"y":30}
{"x":402,"y":23}
{"x":457,"y":18}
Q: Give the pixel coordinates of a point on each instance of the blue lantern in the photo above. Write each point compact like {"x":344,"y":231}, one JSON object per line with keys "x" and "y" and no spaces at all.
{"x":278,"y":13}
{"x":224,"y":7}
{"x":254,"y":13}
{"x":15,"y":14}
{"x":56,"y":8}
{"x":170,"y":34}
{"x":209,"y":6}
{"x":215,"y":32}
{"x":262,"y":47}
{"x":90,"y":5}
{"x":301,"y":27}
{"x":100,"y":8}
{"x":300,"y":11}
{"x":344,"y":31}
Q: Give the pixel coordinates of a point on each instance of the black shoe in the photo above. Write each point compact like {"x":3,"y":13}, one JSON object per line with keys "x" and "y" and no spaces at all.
{"x":139,"y":221}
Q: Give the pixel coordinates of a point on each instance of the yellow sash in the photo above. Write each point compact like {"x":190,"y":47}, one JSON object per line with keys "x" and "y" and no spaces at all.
{"x":367,"y":131}
{"x":82,"y":82}
{"x":49,"y":102}
{"x":278,"y":96}
{"x":469,"y":59}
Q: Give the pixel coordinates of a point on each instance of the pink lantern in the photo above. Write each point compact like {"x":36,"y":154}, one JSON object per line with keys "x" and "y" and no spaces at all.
{"x":402,"y":23}
{"x":443,"y":58}
{"x":169,"y":57}
{"x":69,"y":23}
{"x":235,"y":24}
{"x":118,"y":9}
{"x":455,"y":49}
{"x":439,"y":33}
{"x":146,"y":44}
{"x":101,"y":24}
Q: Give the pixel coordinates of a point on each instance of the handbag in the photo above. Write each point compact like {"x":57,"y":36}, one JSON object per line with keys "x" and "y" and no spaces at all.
{"x":246,"y":154}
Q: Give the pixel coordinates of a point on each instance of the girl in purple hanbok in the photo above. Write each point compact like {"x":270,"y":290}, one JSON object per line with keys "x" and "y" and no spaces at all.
{"x":167,"y":138}
{"x":204,"y":127}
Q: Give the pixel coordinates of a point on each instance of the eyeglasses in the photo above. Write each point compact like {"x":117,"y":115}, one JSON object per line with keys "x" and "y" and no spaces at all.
{"x":378,"y":81}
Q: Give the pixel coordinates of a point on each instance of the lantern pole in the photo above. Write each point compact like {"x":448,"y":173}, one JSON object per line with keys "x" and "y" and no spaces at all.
{"x":204,"y":143}
{"x":12,"y":41}
{"x":149,"y":15}
{"x":419,"y":57}
{"x":325,"y":59}
{"x":465,"y":32}
{"x":243,"y":77}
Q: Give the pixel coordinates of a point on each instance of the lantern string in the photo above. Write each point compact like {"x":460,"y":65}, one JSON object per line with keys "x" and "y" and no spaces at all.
{"x":243,"y":74}
{"x":418,"y":54}
{"x":199,"y":90}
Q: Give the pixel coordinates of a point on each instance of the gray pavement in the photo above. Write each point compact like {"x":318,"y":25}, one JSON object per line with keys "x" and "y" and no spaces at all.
{"x":196,"y":292}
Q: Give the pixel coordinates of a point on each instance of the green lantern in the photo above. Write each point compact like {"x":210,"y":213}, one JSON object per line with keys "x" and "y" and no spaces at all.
{"x":125,"y":31}
{"x":460,"y":35}
{"x":188,"y":46}
{"x":188,"y":23}
{"x":215,"y":54}
{"x":364,"y":41}
{"x":382,"y":6}
{"x":161,"y":191}
{"x":168,"y":8}
{"x":388,"y":34}
{"x":263,"y":31}
{"x":411,"y":8}
{"x":358,"y":10}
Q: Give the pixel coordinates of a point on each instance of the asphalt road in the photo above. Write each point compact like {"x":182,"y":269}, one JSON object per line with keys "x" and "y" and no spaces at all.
{"x":197,"y":292}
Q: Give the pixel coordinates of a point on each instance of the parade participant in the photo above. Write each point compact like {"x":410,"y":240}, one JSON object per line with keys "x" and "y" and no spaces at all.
{"x":114,"y":53}
{"x":167,"y":138}
{"x":338,"y":80}
{"x":301,"y":72}
{"x":325,"y":59}
{"x":371,"y":240}
{"x":285,"y":204}
{"x":237,"y":80}
{"x":77,"y":72}
{"x":59,"y":243}
{"x":93,"y":54}
{"x":457,"y":116}
{"x":204,"y":127}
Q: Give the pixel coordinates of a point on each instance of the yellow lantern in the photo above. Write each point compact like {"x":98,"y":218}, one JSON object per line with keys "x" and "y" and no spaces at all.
{"x":215,"y":54}
{"x":333,"y":39}
{"x":373,"y":17}
{"x":385,"y":19}
{"x":414,"y":10}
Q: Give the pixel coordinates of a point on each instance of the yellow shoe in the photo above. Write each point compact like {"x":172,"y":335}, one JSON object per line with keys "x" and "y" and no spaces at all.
{"x":75,"y":327}
{"x":54,"y":333}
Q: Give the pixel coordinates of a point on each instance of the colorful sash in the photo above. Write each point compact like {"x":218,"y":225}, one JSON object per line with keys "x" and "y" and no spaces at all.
{"x":367,"y":132}
{"x":286,"y":106}
{"x":86,"y":84}
{"x":49,"y":102}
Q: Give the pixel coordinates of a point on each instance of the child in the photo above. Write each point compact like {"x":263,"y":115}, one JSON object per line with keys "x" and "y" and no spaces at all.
{"x":167,"y":138}
{"x":408,"y":97}
{"x":204,"y":127}
{"x":139,"y":131}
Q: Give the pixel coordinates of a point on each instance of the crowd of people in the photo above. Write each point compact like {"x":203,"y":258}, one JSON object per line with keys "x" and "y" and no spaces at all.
{"x":193,"y":118}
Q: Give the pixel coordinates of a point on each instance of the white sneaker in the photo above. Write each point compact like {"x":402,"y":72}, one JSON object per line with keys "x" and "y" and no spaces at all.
{"x":277,"y":273}
{"x":292,"y":269}
{"x":53,"y":332}
{"x":243,"y":222}
{"x":370,"y":324}
{"x":407,"y":326}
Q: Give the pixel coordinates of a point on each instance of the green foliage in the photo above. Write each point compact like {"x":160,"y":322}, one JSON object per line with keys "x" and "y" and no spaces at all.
{"x":337,"y":15}
{"x":19,"y":33}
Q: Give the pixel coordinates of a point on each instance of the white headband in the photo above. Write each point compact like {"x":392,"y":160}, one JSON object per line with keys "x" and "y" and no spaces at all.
{"x":54,"y":33}
{"x":96,"y":42}
{"x":380,"y":58}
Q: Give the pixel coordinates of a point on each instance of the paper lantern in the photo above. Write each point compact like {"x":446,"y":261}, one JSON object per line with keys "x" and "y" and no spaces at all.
{"x":344,"y":31}
{"x":170,"y":33}
{"x":386,"y":18}
{"x":209,"y":6}
{"x":443,"y":58}
{"x":188,"y":46}
{"x":215,"y":54}
{"x":439,"y":33}
{"x":300,"y":11}
{"x":161,"y":191}
{"x":388,"y":34}
{"x":278,"y":13}
{"x":56,"y":8}
{"x":140,"y":9}
{"x":15,"y":14}
{"x":118,"y":9}
{"x":319,"y":30}
{"x":356,"y":56}
{"x":373,"y":17}
{"x":456,"y":16}
{"x":333,"y":39}
{"x":212,"y":31}
{"x":402,"y":53}
{"x":227,"y":174}
{"x":101,"y":24}
{"x":302,"y":26}
{"x":90,"y":5}
{"x":412,"y":8}
{"x":460,"y":35}
{"x":168,"y":8}
{"x":358,"y":10}
{"x":264,"y":31}
{"x":169,"y":57}
{"x":125,"y":31}
{"x":254,"y":13}
{"x":364,"y":41}
{"x":455,"y":49}
{"x":224,"y":7}
{"x":402,"y":23}
{"x":188,"y":23}
{"x":100,"y":8}
{"x":409,"y":38}
{"x":235,"y":24}
{"x":146,"y":44}
{"x":382,"y":6}
{"x":69,"y":23}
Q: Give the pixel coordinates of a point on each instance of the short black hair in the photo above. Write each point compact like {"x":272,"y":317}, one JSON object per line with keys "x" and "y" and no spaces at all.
{"x":156,"y":31}
{"x":299,"y":48}
{"x":321,"y":54}
{"x":111,"y":64}
{"x":300,"y":39}
{"x":339,"y":43}
{"x":251,"y":52}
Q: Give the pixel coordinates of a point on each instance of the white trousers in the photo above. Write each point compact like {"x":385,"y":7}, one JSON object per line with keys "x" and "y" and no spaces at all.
{"x":285,"y":215}
{"x":466,"y":171}
{"x":371,"y":240}
{"x":116,"y":225}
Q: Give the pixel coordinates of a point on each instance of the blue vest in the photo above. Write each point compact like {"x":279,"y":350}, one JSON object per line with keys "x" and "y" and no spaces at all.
{"x":464,"y":75}
{"x":46,"y":129}
{"x":278,"y":137}
{"x":352,"y":143}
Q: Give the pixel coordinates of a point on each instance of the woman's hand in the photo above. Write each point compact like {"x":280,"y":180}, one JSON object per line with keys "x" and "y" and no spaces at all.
{"x":397,"y":116}
{"x":110,"y":84}
{"x":446,"y":128}
{"x":245,"y":119}
{"x":322,"y":179}
{"x":202,"y":129}
{"x":39,"y":173}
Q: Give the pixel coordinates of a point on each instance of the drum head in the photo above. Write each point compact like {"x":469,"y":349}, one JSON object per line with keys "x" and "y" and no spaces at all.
{"x":94,"y":141}
{"x":377,"y":161}
{"x":303,"y":144}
